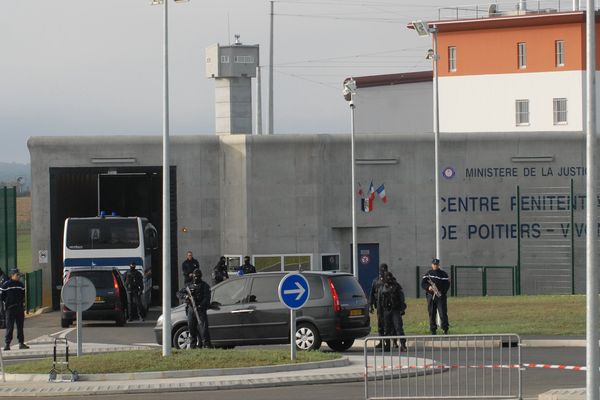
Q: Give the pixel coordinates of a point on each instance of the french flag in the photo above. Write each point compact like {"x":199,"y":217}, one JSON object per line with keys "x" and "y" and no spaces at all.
{"x":381,"y":192}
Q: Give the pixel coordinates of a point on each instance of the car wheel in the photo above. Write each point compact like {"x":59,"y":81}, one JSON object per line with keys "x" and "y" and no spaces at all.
{"x":307,"y":337}
{"x":181,"y":338}
{"x":65,"y":323}
{"x":340,"y":345}
{"x":120,"y":320}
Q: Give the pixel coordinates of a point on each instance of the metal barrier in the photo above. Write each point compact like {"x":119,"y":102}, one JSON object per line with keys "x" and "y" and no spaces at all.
{"x":443,"y":367}
{"x":8,"y":228}
{"x":33,"y":290}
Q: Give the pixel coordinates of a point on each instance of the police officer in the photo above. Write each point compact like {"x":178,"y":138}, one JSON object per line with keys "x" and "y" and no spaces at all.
{"x":436,"y":284}
{"x":246,"y":267}
{"x":13,"y":297}
{"x":220,"y":271}
{"x":373,"y":296}
{"x":134,"y":285}
{"x":197,"y":293}
{"x":188,"y":266}
{"x":391,"y":300}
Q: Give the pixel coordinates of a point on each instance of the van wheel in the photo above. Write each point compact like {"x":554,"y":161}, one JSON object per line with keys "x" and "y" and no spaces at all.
{"x":65,"y":323}
{"x":181,"y":338}
{"x":307,"y":337}
{"x":340,"y":345}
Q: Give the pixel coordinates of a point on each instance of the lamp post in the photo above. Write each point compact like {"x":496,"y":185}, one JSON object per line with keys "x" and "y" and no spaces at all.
{"x":423,"y":29}
{"x":166,"y":217}
{"x":349,"y":92}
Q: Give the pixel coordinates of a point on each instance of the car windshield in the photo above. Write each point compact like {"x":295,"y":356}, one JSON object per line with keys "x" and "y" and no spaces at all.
{"x":102,"y":233}
{"x":347,"y":287}
{"x":100,"y":279}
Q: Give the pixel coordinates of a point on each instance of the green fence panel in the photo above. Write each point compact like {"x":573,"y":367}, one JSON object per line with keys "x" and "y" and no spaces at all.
{"x":33,"y":290}
{"x":8,"y":228}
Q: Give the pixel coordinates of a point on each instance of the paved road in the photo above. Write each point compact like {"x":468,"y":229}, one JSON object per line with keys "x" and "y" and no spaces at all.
{"x":535,"y":381}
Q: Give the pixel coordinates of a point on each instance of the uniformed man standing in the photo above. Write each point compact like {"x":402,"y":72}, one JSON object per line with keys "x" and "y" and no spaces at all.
{"x":392,"y":301}
{"x":220,"y":271}
{"x":197,"y":298}
{"x":13,"y":297}
{"x":188,"y":266}
{"x":436,"y":284}
{"x":247,"y":268}
{"x":375,"y":286}
{"x":134,"y":285}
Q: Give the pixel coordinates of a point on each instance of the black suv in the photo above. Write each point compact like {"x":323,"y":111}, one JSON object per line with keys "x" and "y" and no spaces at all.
{"x":246,"y":311}
{"x":111,"y":297}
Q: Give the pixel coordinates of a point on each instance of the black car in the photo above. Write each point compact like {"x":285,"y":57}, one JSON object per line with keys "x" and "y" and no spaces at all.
{"x":111,"y":297}
{"x":246,"y":311}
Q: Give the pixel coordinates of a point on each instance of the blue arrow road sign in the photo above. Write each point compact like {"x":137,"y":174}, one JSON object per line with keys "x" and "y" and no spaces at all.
{"x":293,"y":291}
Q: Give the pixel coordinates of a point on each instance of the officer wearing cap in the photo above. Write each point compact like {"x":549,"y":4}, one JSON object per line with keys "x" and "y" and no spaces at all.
{"x":12,"y":294}
{"x":436,"y":284}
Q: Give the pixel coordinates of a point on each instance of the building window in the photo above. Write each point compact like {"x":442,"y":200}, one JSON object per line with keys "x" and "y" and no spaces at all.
{"x":522,"y":55}
{"x":522,"y":112}
{"x":282,"y":262}
{"x":225,"y":59}
{"x":452,"y":59}
{"x":559,"y":46}
{"x":243,"y":59}
{"x":560,"y":111}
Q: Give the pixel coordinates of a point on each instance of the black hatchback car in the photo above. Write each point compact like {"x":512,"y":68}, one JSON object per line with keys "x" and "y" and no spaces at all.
{"x":246,"y":311}
{"x":111,"y":297}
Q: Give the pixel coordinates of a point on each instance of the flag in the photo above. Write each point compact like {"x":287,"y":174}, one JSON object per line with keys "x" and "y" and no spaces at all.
{"x":381,"y":192}
{"x":360,"y":191}
{"x":371,"y":196}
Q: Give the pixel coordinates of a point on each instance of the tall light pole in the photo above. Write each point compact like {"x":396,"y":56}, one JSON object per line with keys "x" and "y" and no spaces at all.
{"x":349,"y":93}
{"x":592,"y":356}
{"x":423,"y":29}
{"x":166,"y":217}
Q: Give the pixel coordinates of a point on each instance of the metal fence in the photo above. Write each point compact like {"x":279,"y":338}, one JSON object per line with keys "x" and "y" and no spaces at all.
{"x":33,"y":290}
{"x":483,"y":280}
{"x":443,"y":367}
{"x":505,"y":8}
{"x":8,"y":228}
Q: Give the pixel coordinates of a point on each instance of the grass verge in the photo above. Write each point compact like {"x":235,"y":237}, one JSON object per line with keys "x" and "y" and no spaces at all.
{"x":152,"y":360}
{"x":524,"y":315}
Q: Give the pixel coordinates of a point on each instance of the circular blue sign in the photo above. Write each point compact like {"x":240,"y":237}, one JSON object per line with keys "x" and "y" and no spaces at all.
{"x":293,"y":291}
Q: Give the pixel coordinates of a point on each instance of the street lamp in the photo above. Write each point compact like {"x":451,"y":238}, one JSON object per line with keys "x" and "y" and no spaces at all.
{"x":166,"y":218}
{"x":423,"y":29}
{"x":349,"y":92}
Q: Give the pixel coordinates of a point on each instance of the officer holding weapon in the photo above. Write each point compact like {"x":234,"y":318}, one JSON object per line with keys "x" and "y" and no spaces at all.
{"x":196,"y":295}
{"x":436,"y":284}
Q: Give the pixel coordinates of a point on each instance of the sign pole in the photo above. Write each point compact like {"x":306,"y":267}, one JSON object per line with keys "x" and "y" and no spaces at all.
{"x":293,"y":335}
{"x":79,"y":320}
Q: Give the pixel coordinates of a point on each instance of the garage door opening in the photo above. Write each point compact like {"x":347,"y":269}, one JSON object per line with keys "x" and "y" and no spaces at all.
{"x":131,"y":191}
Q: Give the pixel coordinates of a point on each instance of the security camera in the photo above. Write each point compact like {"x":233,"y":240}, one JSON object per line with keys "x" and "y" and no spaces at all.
{"x":349,"y":88}
{"x":430,"y":54}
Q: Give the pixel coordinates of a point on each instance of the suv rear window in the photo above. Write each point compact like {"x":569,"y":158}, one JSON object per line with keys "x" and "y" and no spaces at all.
{"x":264,"y":288}
{"x":347,"y":287}
{"x":100,"y":279}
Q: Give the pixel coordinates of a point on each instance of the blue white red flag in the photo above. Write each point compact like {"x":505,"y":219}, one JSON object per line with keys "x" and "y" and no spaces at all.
{"x":381,"y":192}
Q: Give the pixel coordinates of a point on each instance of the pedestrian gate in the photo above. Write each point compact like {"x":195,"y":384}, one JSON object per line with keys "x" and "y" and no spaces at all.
{"x":443,"y":367}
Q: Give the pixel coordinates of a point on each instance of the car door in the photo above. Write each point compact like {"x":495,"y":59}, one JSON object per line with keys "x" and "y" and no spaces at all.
{"x":267,"y":320}
{"x":228,"y":302}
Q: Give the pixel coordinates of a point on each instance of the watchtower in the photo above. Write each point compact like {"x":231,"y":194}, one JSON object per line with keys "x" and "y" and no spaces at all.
{"x":232,"y":67}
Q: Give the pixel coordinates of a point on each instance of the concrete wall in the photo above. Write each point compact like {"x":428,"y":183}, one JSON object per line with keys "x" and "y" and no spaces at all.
{"x":407,"y":107}
{"x":288,"y":194}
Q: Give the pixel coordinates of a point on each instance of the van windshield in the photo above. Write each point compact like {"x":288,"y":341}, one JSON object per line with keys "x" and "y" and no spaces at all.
{"x":102,"y":233}
{"x":347,"y":287}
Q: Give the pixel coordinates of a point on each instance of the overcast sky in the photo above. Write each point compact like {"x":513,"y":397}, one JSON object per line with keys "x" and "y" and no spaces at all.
{"x":82,"y":67}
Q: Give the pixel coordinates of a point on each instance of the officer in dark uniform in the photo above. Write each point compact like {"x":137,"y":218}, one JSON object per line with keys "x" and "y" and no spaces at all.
{"x":197,"y":319}
{"x":188,"y":266}
{"x":134,"y":285}
{"x":436,"y":284}
{"x":392,"y":301}
{"x":375,"y":286}
{"x":247,"y":268}
{"x":13,"y":297}
{"x":220,"y":271}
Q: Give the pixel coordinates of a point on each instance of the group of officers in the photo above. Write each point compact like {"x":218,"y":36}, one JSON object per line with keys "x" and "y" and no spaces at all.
{"x":387,"y":297}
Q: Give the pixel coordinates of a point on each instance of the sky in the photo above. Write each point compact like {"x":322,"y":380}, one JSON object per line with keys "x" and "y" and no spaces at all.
{"x":82,"y":67}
